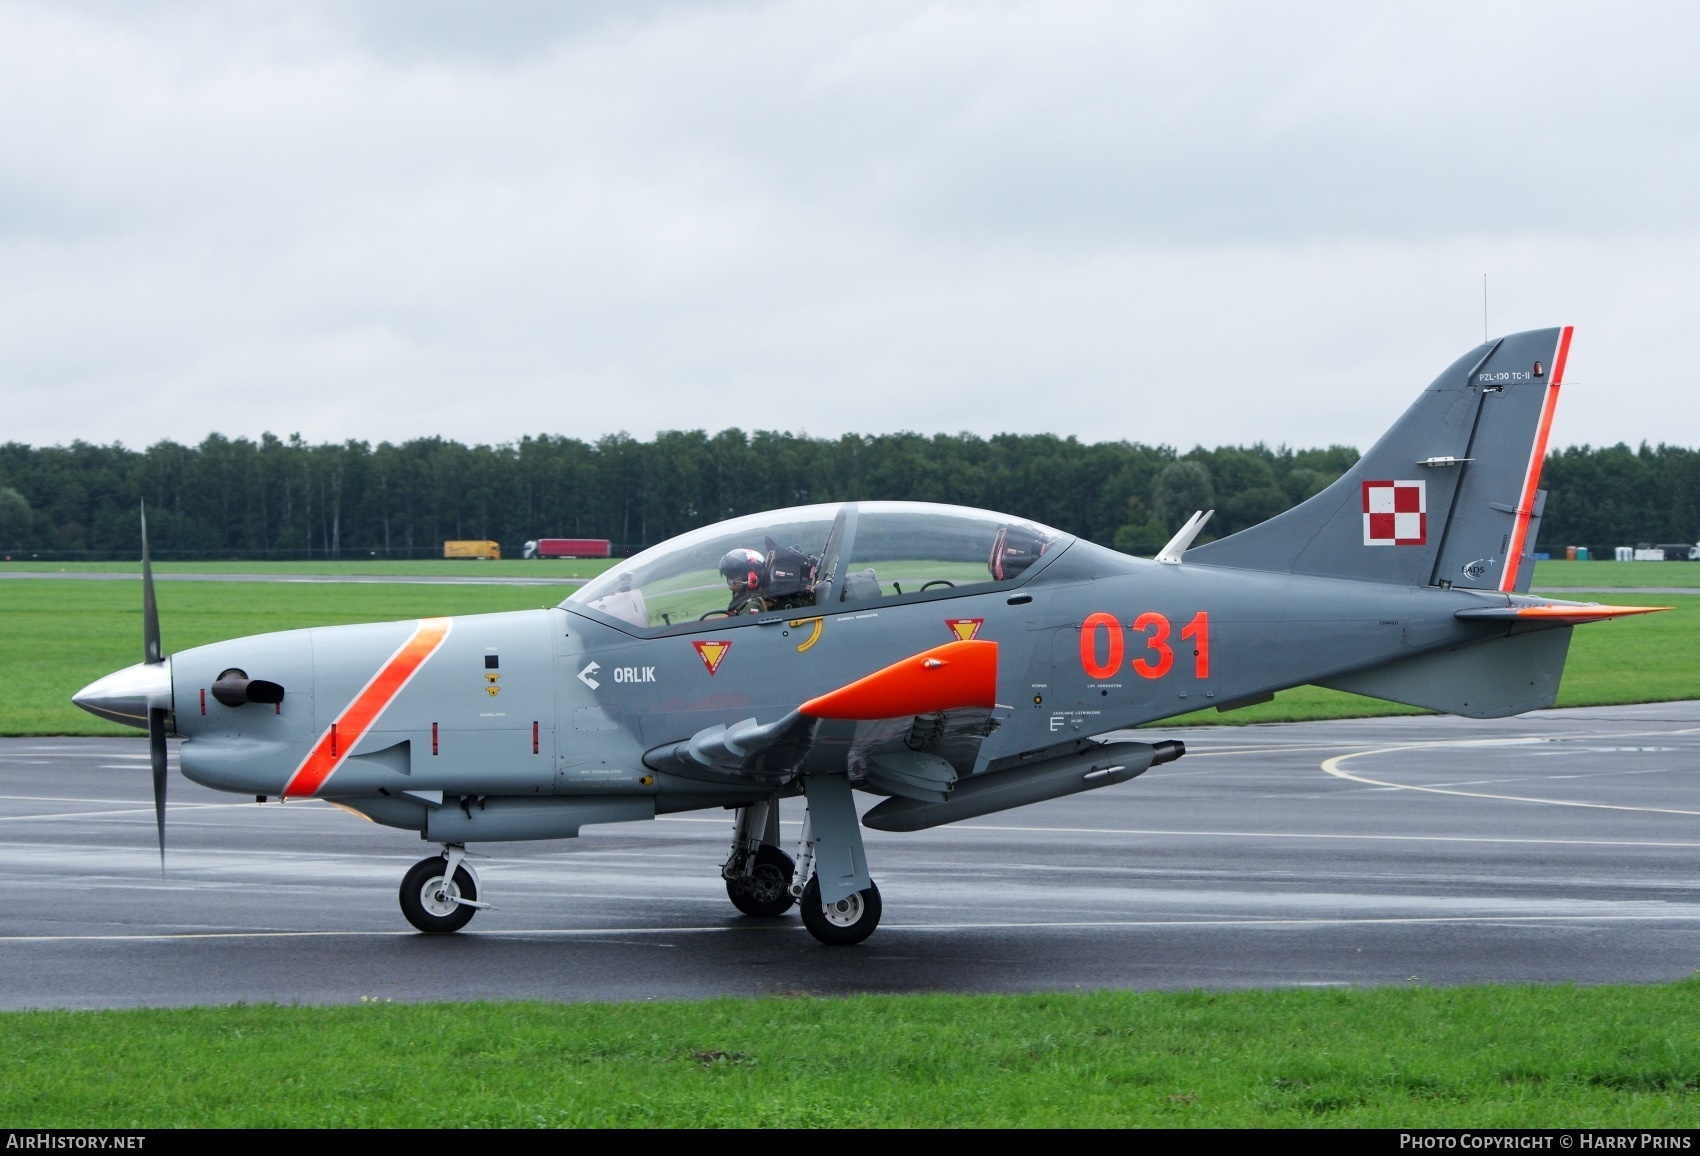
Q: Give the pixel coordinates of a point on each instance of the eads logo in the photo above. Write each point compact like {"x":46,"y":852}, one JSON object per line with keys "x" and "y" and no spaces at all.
{"x":712,"y":654}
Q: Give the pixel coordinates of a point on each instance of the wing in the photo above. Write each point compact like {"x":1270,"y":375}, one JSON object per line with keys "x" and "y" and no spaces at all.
{"x":910,"y":729}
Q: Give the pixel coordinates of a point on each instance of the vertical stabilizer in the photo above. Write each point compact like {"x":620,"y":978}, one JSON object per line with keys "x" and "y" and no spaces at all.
{"x":1449,"y":496}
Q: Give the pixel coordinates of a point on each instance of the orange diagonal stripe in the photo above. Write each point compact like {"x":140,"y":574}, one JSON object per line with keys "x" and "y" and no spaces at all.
{"x":374,"y":698}
{"x":1537,"y":457}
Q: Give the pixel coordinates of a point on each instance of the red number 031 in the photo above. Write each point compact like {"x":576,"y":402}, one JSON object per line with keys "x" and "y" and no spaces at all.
{"x":1159,"y":655}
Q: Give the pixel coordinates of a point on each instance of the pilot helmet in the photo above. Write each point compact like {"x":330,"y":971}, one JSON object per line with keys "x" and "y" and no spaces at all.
{"x":744,"y":569}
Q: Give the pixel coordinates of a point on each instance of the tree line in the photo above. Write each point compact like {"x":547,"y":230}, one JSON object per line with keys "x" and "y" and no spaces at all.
{"x":288,"y":499}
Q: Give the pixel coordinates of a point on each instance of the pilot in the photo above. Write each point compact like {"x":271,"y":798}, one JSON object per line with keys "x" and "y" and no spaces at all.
{"x":745,"y":571}
{"x":781,"y":579}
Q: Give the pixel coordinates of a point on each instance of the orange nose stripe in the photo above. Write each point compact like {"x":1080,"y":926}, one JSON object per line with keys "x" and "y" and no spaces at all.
{"x":374,"y":698}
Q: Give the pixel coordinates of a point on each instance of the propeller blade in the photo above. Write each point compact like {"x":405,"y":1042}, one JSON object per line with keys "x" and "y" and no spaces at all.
{"x":150,"y":609}
{"x":152,"y":652}
{"x":156,"y":751}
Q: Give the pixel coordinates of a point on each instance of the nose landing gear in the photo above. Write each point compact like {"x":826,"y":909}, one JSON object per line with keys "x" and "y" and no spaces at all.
{"x":440,"y":894}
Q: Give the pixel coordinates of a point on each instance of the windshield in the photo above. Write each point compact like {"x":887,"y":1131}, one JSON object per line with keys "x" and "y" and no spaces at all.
{"x":816,"y":556}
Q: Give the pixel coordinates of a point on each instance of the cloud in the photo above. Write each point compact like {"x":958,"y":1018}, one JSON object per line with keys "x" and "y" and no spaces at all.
{"x":1182,"y":223}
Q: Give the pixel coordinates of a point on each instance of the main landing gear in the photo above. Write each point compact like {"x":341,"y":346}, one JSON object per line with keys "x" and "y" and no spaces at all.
{"x":829,"y":881}
{"x":762,"y":880}
{"x":758,"y":874}
{"x":440,"y":894}
{"x":850,"y":920}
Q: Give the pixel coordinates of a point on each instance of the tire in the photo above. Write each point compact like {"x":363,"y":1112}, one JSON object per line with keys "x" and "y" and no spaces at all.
{"x":851,"y":921}
{"x":419,"y":888}
{"x":767,"y":892}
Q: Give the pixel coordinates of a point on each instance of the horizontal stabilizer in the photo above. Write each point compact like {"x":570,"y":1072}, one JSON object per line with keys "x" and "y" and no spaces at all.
{"x":1504,"y":676}
{"x":1558,"y":613}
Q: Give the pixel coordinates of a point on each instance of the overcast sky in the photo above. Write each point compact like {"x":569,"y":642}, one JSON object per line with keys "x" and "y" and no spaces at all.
{"x":1183,"y":223}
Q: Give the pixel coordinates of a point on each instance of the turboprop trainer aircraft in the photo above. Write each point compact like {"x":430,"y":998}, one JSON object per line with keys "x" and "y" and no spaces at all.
{"x":950,"y":662}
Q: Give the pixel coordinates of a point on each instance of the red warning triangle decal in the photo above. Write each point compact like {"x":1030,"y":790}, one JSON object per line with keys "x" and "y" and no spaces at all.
{"x":964,"y":628}
{"x":712,"y":654}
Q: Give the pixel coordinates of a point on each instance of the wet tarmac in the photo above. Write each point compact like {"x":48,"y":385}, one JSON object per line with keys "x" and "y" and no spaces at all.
{"x":1559,"y":846}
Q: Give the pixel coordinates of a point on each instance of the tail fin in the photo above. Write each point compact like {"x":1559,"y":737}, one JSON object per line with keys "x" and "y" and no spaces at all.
{"x":1449,"y":496}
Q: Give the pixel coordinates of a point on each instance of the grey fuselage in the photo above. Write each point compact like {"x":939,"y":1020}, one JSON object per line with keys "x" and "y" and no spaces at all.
{"x":515,"y":708}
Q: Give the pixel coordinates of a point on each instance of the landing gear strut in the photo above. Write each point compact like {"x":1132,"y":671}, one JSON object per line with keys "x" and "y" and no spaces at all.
{"x":832,"y":835}
{"x":440,"y":894}
{"x":762,"y":880}
{"x":758,"y":874}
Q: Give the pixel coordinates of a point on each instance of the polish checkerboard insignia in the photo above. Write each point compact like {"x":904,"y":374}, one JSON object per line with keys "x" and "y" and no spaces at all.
{"x":1395,"y":514}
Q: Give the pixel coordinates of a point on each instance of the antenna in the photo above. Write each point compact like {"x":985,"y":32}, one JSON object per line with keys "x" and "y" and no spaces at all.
{"x":1484,"y":308}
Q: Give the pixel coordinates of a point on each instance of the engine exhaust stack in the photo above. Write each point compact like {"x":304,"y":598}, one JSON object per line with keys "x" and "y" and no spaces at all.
{"x":235,"y":688}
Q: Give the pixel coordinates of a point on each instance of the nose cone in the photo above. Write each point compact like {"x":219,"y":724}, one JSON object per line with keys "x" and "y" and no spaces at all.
{"x":125,"y":696}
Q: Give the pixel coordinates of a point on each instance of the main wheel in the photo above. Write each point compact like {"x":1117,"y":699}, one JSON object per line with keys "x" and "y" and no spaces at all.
{"x":431,"y":902}
{"x":850,"y":920}
{"x":766,"y":891}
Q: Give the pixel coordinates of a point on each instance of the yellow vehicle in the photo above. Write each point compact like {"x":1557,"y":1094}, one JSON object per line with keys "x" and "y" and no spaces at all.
{"x":470,"y":549}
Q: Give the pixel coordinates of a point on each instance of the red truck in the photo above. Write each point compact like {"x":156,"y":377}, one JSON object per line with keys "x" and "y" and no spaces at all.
{"x":568,"y":548}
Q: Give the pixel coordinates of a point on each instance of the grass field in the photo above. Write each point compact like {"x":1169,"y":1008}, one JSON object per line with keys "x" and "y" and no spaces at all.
{"x":1606,"y":575}
{"x":1507,"y":1057}
{"x":56,"y":637}
{"x":431,"y":567}
{"x":1578,"y":575}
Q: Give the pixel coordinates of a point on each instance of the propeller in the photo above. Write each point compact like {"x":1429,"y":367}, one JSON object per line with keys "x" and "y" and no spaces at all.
{"x":156,"y":715}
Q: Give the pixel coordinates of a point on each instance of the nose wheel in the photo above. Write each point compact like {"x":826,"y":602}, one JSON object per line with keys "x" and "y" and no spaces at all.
{"x":439,"y":895}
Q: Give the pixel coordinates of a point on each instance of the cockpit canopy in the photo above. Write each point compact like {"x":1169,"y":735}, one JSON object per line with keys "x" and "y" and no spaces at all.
{"x":810,"y":559}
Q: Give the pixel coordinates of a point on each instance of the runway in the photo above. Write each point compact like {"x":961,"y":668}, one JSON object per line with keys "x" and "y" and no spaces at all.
{"x":1559,"y":846}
